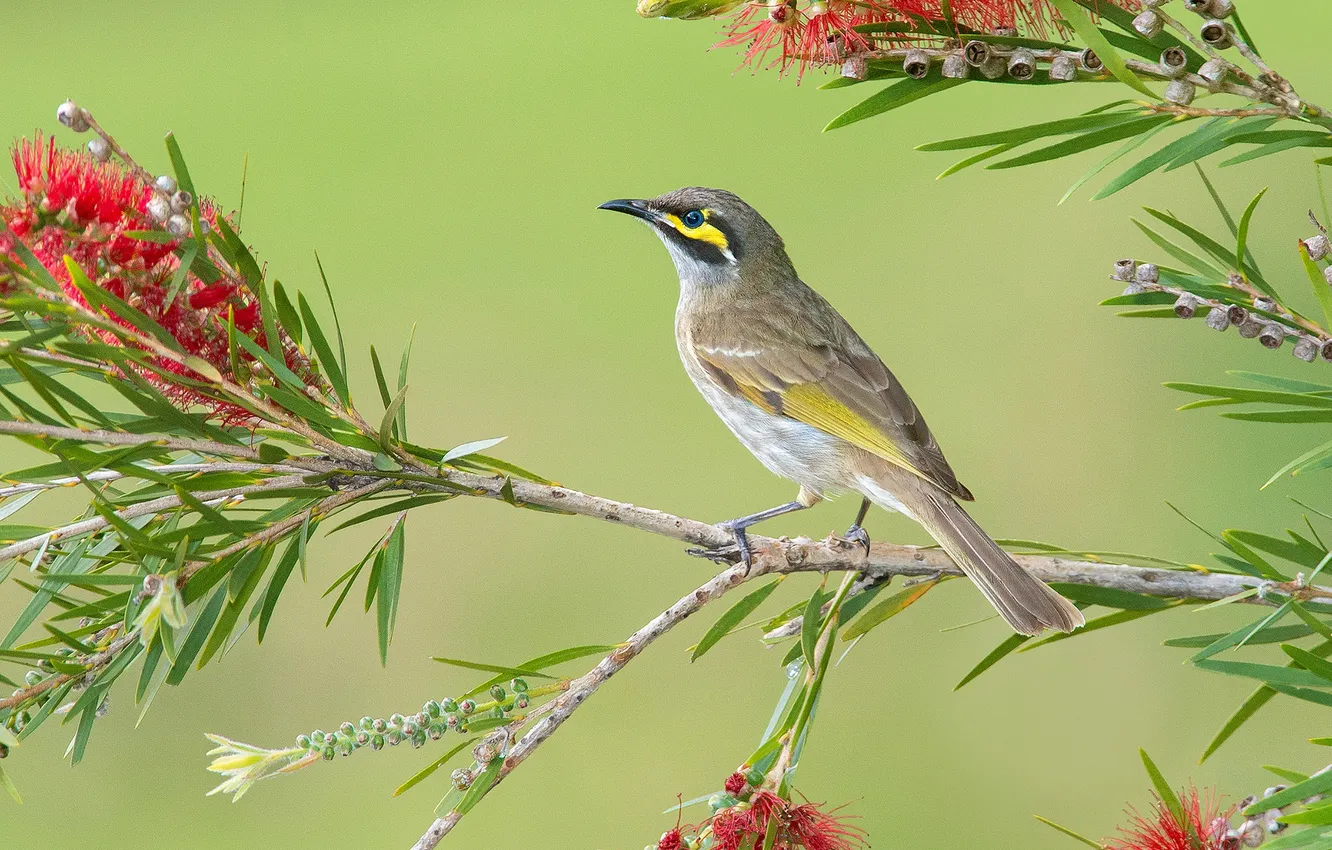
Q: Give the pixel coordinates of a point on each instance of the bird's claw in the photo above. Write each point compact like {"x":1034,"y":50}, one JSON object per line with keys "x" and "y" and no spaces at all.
{"x":856,"y":534}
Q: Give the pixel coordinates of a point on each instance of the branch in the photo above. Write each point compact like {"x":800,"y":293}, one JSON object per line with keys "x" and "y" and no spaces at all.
{"x":583,"y":687}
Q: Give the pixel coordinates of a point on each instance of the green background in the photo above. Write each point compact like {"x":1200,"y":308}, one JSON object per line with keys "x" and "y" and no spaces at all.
{"x":446,"y":160}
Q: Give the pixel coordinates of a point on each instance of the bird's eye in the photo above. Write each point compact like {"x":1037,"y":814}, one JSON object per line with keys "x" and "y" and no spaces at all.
{"x":693,"y":219}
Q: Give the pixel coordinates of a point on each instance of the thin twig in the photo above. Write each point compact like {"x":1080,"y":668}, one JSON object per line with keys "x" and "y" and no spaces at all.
{"x":583,"y":687}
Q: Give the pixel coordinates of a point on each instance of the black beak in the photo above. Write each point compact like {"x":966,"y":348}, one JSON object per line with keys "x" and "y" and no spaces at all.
{"x":637,"y":209}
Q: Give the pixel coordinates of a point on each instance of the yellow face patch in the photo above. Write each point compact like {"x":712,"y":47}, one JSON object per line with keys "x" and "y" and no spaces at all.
{"x":705,"y":232}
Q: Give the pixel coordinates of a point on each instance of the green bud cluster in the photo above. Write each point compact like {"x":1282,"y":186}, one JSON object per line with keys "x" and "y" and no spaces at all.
{"x":432,"y":722}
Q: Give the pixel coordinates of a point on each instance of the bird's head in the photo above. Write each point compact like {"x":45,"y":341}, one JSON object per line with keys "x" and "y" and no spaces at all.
{"x":712,"y":235}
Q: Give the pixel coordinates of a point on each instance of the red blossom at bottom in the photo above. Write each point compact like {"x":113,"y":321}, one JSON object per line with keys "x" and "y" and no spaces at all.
{"x":1203,"y":827}
{"x":792,"y":826}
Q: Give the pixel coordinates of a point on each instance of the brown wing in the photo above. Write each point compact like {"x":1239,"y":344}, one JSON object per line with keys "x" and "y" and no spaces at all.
{"x":810,"y":365}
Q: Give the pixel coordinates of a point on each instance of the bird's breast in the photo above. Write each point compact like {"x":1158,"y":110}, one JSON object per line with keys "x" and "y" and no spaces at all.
{"x":810,"y":457}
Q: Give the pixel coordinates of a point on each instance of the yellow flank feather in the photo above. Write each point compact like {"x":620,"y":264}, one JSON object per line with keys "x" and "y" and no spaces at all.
{"x":811,"y":404}
{"x":704,"y":232}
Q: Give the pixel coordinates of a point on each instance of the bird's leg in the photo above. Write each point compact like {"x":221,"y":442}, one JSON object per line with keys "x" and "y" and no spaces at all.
{"x":737,"y":527}
{"x":855,"y":533}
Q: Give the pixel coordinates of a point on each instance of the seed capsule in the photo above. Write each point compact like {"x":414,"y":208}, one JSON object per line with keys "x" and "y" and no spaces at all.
{"x":1063,"y":69}
{"x":1318,"y":247}
{"x":166,"y":183}
{"x":1125,"y":269}
{"x":1272,"y":336}
{"x":1267,"y":305}
{"x":1134,"y":288}
{"x":159,"y":208}
{"x":462,"y":779}
{"x":178,"y":225}
{"x":855,"y":68}
{"x":1180,"y":92}
{"x":1214,"y":70}
{"x":1216,"y":33}
{"x":1147,"y":273}
{"x":483,"y":752}
{"x":1221,"y":8}
{"x":1022,"y":64}
{"x":977,"y":53}
{"x":72,"y":116}
{"x":1174,"y":62}
{"x":1251,"y":833}
{"x":955,"y":67}
{"x":1090,"y":61}
{"x":1186,"y":305}
{"x":1238,"y":315}
{"x":1202,"y":7}
{"x":1306,"y":349}
{"x":180,"y":201}
{"x":994,"y":68}
{"x":1148,"y":23}
{"x":916,"y":63}
{"x":1218,"y":319}
{"x":1250,"y":328}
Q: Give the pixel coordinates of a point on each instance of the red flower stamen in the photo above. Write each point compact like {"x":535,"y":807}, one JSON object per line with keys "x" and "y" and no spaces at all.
{"x":1203,"y":827}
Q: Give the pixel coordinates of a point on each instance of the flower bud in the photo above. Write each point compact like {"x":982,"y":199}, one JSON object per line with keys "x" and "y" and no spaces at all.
{"x":318,"y":737}
{"x":462,"y":779}
{"x":1022,"y":64}
{"x":1180,"y":92}
{"x":466,"y":707}
{"x":977,"y":53}
{"x":1090,"y":61}
{"x":1174,"y":62}
{"x":1063,"y":69}
{"x":1218,"y":318}
{"x":451,"y":721}
{"x":497,"y":693}
{"x":1147,"y":273}
{"x":362,"y":738}
{"x":436,"y":731}
{"x":376,"y":742}
{"x":916,"y":63}
{"x":178,"y":225}
{"x":347,"y":730}
{"x":484,"y":752}
{"x":1148,"y":23}
{"x":1214,"y":70}
{"x":380,"y":725}
{"x":955,"y":67}
{"x":519,"y":686}
{"x":1272,"y":336}
{"x":73,"y":116}
{"x":855,"y":68}
{"x":1125,"y":269}
{"x":1318,"y":247}
{"x":1250,"y":328}
{"x":409,"y":728}
{"x":1216,"y":33}
{"x":303,"y":741}
{"x":394,"y":737}
{"x":396,"y":720}
{"x":100,"y":150}
{"x":180,"y":201}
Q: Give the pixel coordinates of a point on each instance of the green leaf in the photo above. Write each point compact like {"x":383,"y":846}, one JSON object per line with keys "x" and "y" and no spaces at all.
{"x":433,"y":766}
{"x":337,"y":325}
{"x":1306,"y":659}
{"x":506,"y":672}
{"x":10,"y":787}
{"x":324,"y":351}
{"x":275,"y":585}
{"x":809,"y":625}
{"x":734,"y":616}
{"x":891,"y":97}
{"x":481,"y":785}
{"x":1163,"y":790}
{"x":1070,"y":833}
{"x":1242,"y":235}
{"x":1108,"y":597}
{"x":1269,"y":673}
{"x":974,"y":159}
{"x":1020,"y":135}
{"x":886,"y":609}
{"x":997,"y":654}
{"x":1311,"y":787}
{"x":471,"y":448}
{"x":1092,"y":36}
{"x":1085,"y":141}
{"x":386,"y":424}
{"x":1124,"y":149}
{"x":390,"y":587}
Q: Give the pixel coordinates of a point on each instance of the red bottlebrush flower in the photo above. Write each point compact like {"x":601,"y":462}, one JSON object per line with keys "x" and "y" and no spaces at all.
{"x":73,"y":206}
{"x":823,"y":32}
{"x":670,"y":840}
{"x":1203,"y":827}
{"x":735,"y":783}
{"x":795,"y":827}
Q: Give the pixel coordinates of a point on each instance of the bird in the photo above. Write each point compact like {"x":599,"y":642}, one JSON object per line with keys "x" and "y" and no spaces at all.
{"x":811,"y":400}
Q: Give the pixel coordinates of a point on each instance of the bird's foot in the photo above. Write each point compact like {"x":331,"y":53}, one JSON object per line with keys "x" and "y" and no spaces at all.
{"x":856,"y":534}
{"x":741,"y":543}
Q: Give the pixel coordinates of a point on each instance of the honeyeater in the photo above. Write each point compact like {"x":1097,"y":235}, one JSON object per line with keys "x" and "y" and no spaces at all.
{"x":809,"y":398}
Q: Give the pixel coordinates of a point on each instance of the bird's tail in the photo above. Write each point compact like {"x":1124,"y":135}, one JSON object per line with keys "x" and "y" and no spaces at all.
{"x":1025,"y":602}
